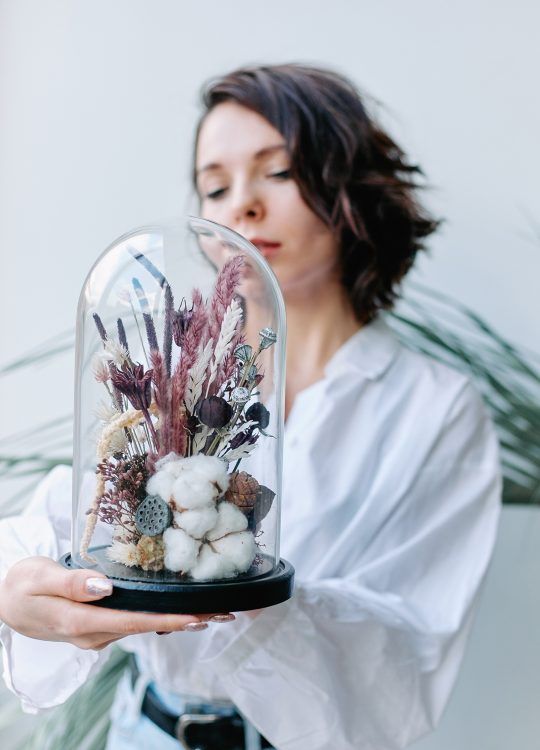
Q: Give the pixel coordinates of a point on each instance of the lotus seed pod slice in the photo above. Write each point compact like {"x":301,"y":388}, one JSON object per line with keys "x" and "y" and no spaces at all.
{"x":153,"y":516}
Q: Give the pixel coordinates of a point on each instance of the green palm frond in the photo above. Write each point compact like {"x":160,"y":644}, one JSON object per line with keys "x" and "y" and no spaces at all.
{"x":508,"y":378}
{"x":50,"y":349}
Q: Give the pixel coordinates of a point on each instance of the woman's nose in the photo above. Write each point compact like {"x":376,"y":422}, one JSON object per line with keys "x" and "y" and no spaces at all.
{"x":247,"y":205}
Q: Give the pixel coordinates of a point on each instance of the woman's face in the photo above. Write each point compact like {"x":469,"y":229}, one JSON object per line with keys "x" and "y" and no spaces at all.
{"x":244,"y":183}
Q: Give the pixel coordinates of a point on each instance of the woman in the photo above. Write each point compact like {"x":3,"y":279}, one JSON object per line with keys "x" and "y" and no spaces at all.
{"x":391,"y":481}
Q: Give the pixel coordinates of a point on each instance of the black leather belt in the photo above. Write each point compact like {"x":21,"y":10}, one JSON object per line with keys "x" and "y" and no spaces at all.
{"x":198,"y":728}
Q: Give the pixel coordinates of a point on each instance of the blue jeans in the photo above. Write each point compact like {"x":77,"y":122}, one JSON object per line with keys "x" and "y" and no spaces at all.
{"x":131,"y":730}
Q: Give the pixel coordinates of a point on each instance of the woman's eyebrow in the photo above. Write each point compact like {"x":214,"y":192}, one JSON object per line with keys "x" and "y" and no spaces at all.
{"x":257,"y":155}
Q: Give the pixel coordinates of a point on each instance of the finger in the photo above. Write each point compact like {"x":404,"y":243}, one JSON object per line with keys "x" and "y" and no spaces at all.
{"x":221,"y":617}
{"x":86,"y":619}
{"x":48,"y":578}
{"x":95,"y":641}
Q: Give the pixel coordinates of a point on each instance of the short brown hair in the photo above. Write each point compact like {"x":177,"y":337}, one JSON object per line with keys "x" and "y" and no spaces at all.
{"x":348,"y":169}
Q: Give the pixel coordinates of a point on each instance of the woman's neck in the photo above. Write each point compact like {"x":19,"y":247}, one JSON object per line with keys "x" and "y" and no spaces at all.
{"x":316,"y":328}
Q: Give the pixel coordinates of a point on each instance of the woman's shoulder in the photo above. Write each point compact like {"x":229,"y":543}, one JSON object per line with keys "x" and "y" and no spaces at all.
{"x":377,"y":354}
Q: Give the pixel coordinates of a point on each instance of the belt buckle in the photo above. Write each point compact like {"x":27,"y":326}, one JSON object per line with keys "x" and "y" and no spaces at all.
{"x":185,"y":720}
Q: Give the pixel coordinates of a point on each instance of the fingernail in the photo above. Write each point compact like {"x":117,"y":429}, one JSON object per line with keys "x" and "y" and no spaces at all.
{"x":194,"y":626}
{"x":222,"y":618}
{"x":98,"y":586}
{"x":163,"y":632}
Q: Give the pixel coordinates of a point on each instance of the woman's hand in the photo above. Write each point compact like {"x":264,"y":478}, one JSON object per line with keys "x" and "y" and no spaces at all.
{"x":41,"y":599}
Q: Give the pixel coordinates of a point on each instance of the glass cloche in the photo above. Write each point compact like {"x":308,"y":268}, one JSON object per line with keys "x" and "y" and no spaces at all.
{"x":178,"y":422}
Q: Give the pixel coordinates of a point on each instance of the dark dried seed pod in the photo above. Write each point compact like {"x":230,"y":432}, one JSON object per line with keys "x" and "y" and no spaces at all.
{"x":258,"y":412}
{"x":214,"y":412}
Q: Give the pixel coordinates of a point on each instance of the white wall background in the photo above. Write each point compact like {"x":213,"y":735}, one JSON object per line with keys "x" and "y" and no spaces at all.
{"x":97,"y":106}
{"x":98,"y":102}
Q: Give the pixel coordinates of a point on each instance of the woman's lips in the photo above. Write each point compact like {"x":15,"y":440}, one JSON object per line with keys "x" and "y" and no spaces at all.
{"x":265,"y":247}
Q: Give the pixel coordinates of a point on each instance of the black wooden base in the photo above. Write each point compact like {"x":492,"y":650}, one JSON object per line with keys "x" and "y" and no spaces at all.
{"x":189,"y":597}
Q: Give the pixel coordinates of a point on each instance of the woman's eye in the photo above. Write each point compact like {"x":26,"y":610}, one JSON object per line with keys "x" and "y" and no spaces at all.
{"x":215,"y":194}
{"x":284,"y":174}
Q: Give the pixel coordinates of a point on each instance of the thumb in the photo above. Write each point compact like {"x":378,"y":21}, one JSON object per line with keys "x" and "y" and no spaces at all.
{"x":49,"y":578}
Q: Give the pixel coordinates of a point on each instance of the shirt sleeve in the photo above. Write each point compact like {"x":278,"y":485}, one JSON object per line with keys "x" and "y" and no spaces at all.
{"x":366,"y":659}
{"x":42,"y":674}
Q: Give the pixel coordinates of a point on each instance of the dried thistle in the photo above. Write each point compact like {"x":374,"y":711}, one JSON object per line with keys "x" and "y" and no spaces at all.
{"x":150,"y":553}
{"x":181,"y":323}
{"x":100,"y":369}
{"x":113,"y":351}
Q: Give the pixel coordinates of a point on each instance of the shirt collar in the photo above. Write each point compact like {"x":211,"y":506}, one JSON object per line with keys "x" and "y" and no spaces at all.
{"x":369,"y":351}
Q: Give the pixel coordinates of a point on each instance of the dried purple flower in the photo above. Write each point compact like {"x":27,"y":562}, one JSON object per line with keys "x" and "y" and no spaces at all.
{"x":214,"y":412}
{"x":122,"y":338}
{"x":181,"y":322}
{"x":135,"y":384}
{"x":241,"y":438}
{"x":258,"y":412}
{"x":101,"y":328}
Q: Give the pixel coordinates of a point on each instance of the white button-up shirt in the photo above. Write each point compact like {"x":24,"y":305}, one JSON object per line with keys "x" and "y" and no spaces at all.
{"x":390,"y":504}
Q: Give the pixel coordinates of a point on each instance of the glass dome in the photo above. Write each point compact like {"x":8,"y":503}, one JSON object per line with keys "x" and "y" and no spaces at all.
{"x":179,"y":408}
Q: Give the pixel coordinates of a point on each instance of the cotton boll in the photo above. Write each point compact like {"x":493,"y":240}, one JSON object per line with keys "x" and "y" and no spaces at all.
{"x":181,"y":550}
{"x":189,"y":491}
{"x":239,"y":549}
{"x":171,"y":463}
{"x":211,"y":566}
{"x":230,"y":519}
{"x":212,"y":468}
{"x":198,"y":521}
{"x":160,"y":484}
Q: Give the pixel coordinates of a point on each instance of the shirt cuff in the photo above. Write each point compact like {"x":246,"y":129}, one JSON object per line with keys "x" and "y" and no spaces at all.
{"x":44,"y":674}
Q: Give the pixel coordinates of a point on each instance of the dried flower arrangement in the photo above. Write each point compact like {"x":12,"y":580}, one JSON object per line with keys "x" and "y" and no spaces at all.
{"x":169,"y":435}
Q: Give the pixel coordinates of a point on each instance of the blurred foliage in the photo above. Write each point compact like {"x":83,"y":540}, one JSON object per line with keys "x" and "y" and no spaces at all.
{"x":507,"y":377}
